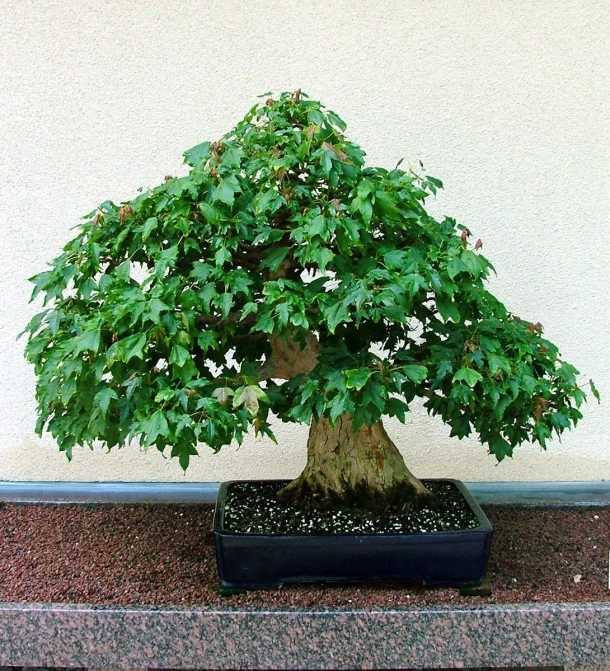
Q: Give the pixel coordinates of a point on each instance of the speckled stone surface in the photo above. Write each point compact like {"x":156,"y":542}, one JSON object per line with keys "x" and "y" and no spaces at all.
{"x":46,"y":635}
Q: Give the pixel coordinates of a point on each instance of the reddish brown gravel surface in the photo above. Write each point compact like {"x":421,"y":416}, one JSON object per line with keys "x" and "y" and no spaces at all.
{"x":164,"y":555}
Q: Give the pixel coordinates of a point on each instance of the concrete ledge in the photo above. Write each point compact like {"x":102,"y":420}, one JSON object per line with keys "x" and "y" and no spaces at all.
{"x":569,"y":635}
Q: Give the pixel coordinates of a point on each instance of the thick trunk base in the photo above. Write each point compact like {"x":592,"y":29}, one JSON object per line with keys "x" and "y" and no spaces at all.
{"x":362,"y":468}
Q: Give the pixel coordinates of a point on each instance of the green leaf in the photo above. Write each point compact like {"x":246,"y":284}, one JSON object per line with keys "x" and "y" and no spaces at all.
{"x":167,"y":259}
{"x":322,"y":257}
{"x":197,"y":154}
{"x":102,"y":399}
{"x":201,"y":271}
{"x":222,"y":256}
{"x":164,"y":395}
{"x":365,"y":207}
{"x":249,"y":308}
{"x":131,"y":346}
{"x":560,"y":421}
{"x":211,"y":213}
{"x":308,"y":389}
{"x":375,"y":394}
{"x":89,"y":341}
{"x":594,"y":391}
{"x":153,"y":427}
{"x":225,"y":303}
{"x":447,"y":308}
{"x":415,"y":373}
{"x":179,"y":356}
{"x":121,"y":272}
{"x":87,"y":288}
{"x":40,"y":281}
{"x":232,"y":157}
{"x":567,"y":372}
{"x":501,"y":405}
{"x":54,"y":321}
{"x":386,"y":206}
{"x":394,"y":259}
{"x":467,"y":375}
{"x":34,"y":323}
{"x":149,"y":226}
{"x":185,"y":455}
{"x":397,"y":408}
{"x":396,"y":314}
{"x":500,"y":448}
{"x":282,"y":313}
{"x":265,"y":322}
{"x":155,"y":308}
{"x":225,"y":191}
{"x":318,"y":226}
{"x":207,"y":294}
{"x":497,"y":363}
{"x":436,"y":182}
{"x":337,"y":407}
{"x":268,"y":200}
{"x":207,"y":340}
{"x":473,"y":263}
{"x":335,"y":315}
{"x":415,"y":283}
{"x":444,"y":368}
{"x":274,"y":258}
{"x":326,"y":161}
{"x":299,"y":320}
{"x":357,"y":377}
{"x":336,"y":120}
{"x":455,"y":267}
{"x":351,"y":228}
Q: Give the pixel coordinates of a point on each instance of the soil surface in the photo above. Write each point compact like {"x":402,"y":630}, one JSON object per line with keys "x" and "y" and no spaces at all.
{"x":253,"y":507}
{"x":164,"y":555}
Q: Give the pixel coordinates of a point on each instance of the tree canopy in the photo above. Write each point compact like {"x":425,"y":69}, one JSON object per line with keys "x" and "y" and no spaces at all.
{"x":161,"y":313}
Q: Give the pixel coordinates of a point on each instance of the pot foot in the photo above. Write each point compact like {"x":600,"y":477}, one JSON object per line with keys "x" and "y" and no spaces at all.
{"x":482,"y":589}
{"x":230,"y":589}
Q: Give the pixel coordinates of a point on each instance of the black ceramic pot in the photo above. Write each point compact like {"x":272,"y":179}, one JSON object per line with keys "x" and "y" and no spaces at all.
{"x":262,"y":561}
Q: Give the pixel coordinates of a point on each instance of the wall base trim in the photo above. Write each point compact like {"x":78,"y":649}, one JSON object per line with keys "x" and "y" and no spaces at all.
{"x":549,"y":493}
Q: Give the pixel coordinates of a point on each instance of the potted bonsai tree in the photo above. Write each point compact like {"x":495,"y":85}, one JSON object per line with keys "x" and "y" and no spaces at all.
{"x":281,"y":275}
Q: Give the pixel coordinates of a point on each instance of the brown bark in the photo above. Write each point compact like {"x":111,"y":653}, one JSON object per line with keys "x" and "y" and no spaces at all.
{"x":290,"y":358}
{"x":343,"y":465}
{"x":361,"y":467}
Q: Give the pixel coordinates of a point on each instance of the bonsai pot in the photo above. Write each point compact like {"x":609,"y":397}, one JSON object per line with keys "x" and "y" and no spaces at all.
{"x":267,"y":560}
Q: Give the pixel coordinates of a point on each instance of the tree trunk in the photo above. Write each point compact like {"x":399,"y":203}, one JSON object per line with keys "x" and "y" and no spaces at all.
{"x":361,"y":467}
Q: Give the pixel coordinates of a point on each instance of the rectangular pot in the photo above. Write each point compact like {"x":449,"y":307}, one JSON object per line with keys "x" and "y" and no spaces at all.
{"x":259,"y":561}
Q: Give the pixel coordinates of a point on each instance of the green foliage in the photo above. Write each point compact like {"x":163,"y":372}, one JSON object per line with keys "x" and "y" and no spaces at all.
{"x":279,"y":228}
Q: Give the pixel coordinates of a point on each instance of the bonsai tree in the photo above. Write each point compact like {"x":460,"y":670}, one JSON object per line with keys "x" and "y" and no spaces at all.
{"x":281,"y":275}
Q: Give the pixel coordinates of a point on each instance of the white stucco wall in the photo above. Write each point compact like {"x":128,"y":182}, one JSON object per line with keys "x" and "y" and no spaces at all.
{"x":507,"y":102}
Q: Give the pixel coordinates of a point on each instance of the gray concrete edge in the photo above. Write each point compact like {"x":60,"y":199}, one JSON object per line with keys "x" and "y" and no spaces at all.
{"x":518,"y":493}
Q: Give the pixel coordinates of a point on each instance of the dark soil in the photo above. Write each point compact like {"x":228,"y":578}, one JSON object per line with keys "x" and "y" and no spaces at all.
{"x":164,"y":555}
{"x":253,"y":508}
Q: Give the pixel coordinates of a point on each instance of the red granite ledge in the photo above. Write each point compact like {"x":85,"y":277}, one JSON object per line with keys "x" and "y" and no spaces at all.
{"x":524,"y":635}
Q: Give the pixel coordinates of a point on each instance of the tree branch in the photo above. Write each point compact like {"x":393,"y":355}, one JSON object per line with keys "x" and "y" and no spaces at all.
{"x":232,"y":318}
{"x":288,"y":359}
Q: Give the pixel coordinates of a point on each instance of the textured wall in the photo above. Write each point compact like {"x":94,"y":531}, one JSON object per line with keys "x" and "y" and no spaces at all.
{"x":507,"y":102}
